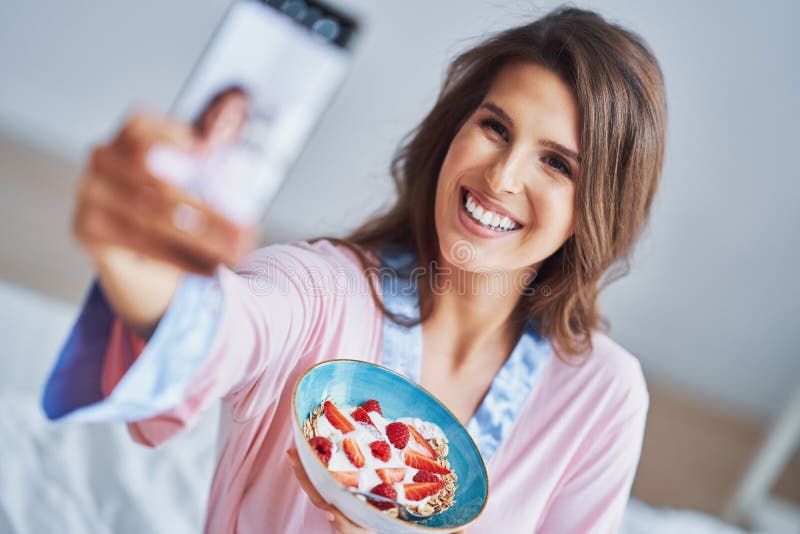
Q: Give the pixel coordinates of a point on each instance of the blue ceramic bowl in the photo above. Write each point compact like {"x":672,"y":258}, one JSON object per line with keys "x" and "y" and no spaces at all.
{"x":352,"y":382}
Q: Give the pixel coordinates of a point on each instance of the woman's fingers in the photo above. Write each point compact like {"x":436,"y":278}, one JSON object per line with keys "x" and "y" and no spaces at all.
{"x":159,"y":200}
{"x":344,"y":526}
{"x":191,"y":232}
{"x":105,"y":230}
{"x":337,"y":519}
{"x":305,"y":482}
{"x":154,"y":217}
{"x":143,"y":130}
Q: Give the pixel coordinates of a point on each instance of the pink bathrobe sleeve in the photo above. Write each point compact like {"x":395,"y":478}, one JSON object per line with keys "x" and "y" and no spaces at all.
{"x":270,"y":317}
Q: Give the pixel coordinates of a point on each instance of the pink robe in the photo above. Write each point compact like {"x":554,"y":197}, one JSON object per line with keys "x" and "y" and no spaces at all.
{"x":566,"y":466}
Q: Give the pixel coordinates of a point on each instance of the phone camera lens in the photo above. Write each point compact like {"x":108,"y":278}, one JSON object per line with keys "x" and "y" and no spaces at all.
{"x":327,"y":28}
{"x":295,"y":8}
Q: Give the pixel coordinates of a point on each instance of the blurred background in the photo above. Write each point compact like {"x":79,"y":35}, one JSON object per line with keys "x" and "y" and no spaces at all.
{"x":709,"y":308}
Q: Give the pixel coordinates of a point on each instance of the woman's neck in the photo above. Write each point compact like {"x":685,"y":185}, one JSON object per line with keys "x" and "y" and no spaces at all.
{"x":477,"y":311}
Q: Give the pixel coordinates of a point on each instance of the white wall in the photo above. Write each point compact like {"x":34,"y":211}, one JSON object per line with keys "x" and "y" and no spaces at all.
{"x":711,"y":305}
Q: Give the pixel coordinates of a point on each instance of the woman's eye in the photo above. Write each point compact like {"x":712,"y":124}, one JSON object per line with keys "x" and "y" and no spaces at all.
{"x":560,"y":165}
{"x":496,"y":127}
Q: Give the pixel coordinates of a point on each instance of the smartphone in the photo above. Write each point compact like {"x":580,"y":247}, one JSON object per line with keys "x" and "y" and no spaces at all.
{"x":259,"y":88}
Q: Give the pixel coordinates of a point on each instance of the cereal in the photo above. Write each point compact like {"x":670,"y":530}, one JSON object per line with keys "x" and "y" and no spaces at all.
{"x":414,"y":457}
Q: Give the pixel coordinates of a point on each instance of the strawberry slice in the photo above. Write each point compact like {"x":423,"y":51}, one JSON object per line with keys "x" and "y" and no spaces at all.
{"x":346,"y":478}
{"x":422,"y":441}
{"x":417,"y":460}
{"x":390,"y":475}
{"x":337,"y":418}
{"x":353,"y":452}
{"x":419,"y":490}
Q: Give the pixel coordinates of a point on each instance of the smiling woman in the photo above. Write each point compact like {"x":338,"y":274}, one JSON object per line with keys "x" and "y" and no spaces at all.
{"x":536,"y":168}
{"x":558,"y":126}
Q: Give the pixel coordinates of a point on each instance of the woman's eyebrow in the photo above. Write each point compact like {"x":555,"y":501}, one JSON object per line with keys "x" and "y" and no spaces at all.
{"x":558,"y":147}
{"x":497,"y":110}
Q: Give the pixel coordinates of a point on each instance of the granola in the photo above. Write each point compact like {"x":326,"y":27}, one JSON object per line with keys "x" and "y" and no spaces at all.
{"x":404,"y":459}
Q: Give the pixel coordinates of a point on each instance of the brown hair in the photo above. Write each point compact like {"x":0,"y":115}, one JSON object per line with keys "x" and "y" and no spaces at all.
{"x":620,"y":94}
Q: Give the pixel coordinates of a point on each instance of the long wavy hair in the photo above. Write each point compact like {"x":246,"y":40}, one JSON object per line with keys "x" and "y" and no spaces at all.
{"x":621,"y":98}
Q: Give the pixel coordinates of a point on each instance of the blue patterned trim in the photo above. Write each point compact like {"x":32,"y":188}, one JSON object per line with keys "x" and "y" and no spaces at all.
{"x":401,"y":345}
{"x":157,"y":381}
{"x":509,"y":391}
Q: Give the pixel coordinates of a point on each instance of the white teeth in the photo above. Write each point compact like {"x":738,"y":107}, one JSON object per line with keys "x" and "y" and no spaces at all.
{"x":487,"y":217}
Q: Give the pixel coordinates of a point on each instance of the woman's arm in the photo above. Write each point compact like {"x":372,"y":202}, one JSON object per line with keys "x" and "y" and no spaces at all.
{"x":238,"y":335}
{"x":148,"y":241}
{"x":140,"y":232}
{"x":139,"y":290}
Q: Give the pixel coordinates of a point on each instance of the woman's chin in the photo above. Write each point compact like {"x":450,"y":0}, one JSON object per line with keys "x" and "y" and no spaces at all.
{"x":461,"y":252}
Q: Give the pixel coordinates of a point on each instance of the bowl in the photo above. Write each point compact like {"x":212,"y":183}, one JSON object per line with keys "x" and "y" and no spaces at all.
{"x":352,"y":382}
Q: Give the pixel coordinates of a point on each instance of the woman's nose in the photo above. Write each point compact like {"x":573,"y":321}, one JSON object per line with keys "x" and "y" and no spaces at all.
{"x":504,"y":174}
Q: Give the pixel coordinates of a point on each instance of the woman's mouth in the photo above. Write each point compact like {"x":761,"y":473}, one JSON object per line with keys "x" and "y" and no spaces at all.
{"x":484,"y":216}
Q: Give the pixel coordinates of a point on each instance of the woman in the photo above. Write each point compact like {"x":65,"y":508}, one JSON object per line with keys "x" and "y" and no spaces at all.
{"x":537,"y":166}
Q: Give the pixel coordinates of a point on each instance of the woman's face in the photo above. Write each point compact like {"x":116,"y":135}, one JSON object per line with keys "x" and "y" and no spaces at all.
{"x":505,"y":196}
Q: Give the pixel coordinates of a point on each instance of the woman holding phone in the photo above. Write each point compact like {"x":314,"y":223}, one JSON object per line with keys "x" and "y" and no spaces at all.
{"x":538,"y":164}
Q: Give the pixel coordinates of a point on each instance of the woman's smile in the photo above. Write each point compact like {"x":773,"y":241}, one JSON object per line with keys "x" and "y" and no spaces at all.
{"x":483,"y":218}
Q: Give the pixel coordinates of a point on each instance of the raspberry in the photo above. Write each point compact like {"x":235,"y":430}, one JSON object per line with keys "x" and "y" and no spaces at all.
{"x":383,"y":490}
{"x":322,"y":447}
{"x":361,"y":415}
{"x":372,"y":406}
{"x":425,"y":476}
{"x":381,"y":450}
{"x":397,"y":434}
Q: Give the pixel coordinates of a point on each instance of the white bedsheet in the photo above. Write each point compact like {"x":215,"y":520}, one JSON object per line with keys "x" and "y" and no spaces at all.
{"x":93,"y":479}
{"x":83,"y":479}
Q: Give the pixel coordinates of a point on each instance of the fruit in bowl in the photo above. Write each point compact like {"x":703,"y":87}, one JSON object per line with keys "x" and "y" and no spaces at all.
{"x":360,"y":425}
{"x":404,"y":460}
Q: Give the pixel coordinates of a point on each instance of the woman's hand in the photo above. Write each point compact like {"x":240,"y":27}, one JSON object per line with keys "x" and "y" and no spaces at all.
{"x":339,"y":522}
{"x":142,"y":233}
{"x":120,"y":203}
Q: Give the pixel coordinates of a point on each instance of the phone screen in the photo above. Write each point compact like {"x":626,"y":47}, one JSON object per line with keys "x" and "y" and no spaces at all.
{"x":253,"y":98}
